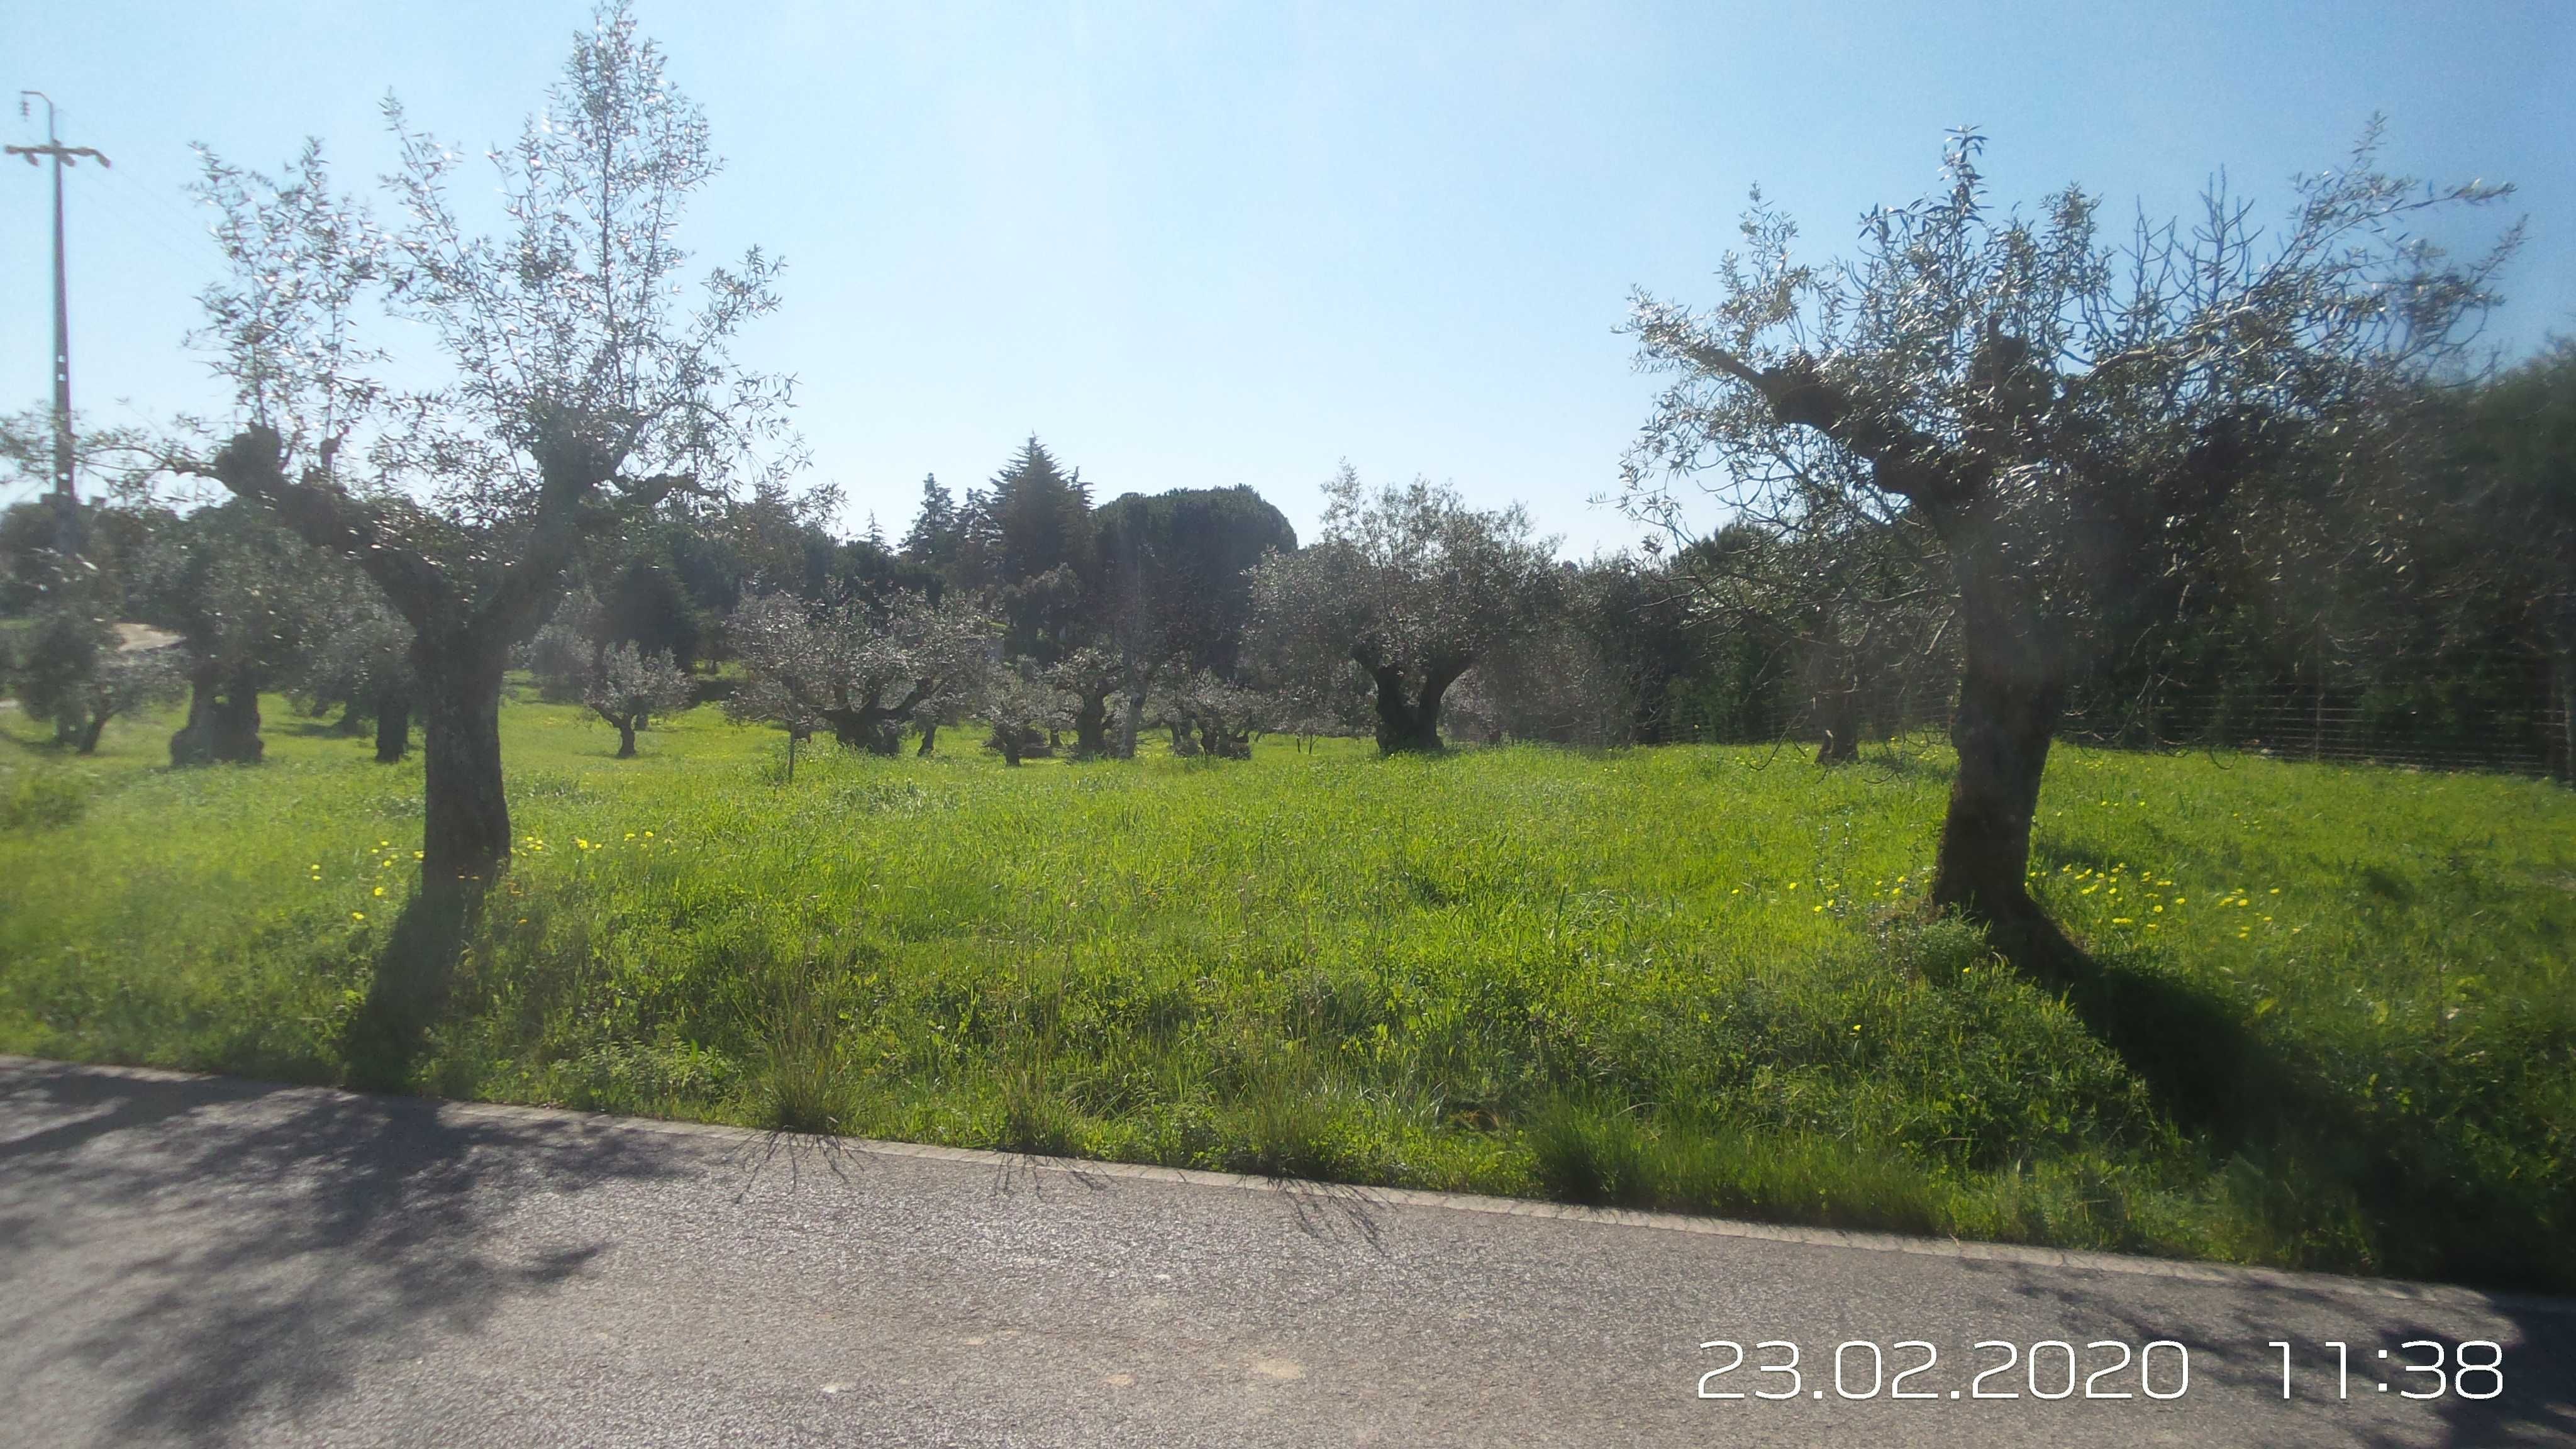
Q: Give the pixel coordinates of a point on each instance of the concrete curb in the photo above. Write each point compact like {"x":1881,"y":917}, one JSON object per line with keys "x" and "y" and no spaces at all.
{"x":1625,"y":1218}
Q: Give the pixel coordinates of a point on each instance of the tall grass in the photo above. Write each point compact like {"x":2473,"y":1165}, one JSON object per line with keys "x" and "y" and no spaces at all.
{"x":2333,"y":1024}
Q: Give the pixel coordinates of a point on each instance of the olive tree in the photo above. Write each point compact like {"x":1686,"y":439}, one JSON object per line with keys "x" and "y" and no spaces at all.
{"x":2063,"y":413}
{"x":72,"y":671}
{"x":248,"y":598}
{"x":1088,"y":677}
{"x":857,"y":668}
{"x":1210,"y":715}
{"x":360,"y":661}
{"x":580,"y":388}
{"x":1015,"y":697}
{"x":1408,"y":584}
{"x":630,"y":686}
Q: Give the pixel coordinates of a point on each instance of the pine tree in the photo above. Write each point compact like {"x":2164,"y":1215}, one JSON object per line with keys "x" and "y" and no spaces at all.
{"x":1041,"y":515}
{"x":976,"y":562}
{"x":1044,"y":553}
{"x":933,"y":538}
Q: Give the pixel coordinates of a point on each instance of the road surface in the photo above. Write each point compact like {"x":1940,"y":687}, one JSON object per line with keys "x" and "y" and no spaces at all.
{"x":202,"y":1260}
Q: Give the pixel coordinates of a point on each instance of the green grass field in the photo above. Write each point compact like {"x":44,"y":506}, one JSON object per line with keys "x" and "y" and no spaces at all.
{"x":2332,"y":1023}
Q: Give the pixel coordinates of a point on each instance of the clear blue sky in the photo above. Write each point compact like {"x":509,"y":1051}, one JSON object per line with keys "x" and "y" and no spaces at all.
{"x":1197,"y":245}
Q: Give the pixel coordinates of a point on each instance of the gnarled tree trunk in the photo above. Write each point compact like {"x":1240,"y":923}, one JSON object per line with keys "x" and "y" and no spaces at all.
{"x":874,"y":727}
{"x":1091,"y":727}
{"x":223,"y":720}
{"x":1411,"y":726}
{"x":2012,"y":681}
{"x":877,"y":731}
{"x":466,"y":835}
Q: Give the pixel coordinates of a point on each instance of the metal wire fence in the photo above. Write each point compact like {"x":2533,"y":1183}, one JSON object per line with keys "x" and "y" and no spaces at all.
{"x":2281,"y":721}
{"x":2301,"y":722}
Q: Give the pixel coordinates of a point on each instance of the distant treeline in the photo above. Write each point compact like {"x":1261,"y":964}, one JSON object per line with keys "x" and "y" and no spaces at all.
{"x":2418,"y":610}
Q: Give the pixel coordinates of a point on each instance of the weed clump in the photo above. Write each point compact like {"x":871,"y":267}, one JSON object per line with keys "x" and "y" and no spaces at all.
{"x":41,"y":799}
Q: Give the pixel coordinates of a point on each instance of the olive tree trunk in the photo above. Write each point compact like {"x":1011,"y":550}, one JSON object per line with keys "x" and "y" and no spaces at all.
{"x":1131,"y":718}
{"x":393,"y":726}
{"x":874,"y":727}
{"x":466,"y":835}
{"x":1091,"y":727}
{"x":223,"y":720}
{"x":2012,"y":696}
{"x":2012,"y":679}
{"x":1838,"y":718}
{"x":1412,"y":725}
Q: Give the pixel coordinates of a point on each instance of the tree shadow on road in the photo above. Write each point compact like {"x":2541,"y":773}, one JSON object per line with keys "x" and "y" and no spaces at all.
{"x":2532,"y":1401}
{"x":228,"y":1253}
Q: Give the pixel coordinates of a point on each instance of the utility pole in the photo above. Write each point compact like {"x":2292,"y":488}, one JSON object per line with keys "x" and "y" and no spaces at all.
{"x":61,"y":156}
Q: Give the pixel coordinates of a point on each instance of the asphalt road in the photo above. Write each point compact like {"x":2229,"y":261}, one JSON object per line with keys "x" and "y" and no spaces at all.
{"x":202,"y":1260}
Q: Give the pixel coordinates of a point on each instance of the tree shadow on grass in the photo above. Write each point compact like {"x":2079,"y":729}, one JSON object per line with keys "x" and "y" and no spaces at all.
{"x":414,"y":977}
{"x":188,"y":1258}
{"x":2278,"y":1121}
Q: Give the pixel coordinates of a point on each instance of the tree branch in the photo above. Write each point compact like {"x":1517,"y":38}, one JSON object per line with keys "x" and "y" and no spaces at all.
{"x":253,"y":466}
{"x":1903,"y":460}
